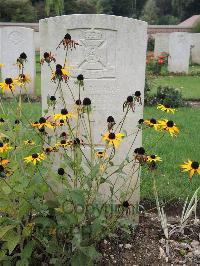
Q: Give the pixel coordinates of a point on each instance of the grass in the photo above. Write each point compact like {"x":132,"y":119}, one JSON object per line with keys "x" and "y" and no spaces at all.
{"x":189,"y":85}
{"x":170,"y":182}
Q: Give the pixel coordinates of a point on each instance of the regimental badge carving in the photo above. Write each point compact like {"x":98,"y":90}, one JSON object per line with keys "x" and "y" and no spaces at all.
{"x":15,"y":37}
{"x":97,"y":57}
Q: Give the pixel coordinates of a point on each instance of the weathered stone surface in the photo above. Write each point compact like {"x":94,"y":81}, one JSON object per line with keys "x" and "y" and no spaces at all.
{"x":179,"y":52}
{"x":195,"y":51}
{"x":161,"y":43}
{"x":13,"y":42}
{"x":111,"y":56}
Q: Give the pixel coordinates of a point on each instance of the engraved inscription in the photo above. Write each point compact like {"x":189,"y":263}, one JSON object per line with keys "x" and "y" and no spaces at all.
{"x":15,"y":38}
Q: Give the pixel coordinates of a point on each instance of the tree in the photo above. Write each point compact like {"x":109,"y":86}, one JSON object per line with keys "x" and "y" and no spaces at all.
{"x":150,"y":12}
{"x":17,"y":11}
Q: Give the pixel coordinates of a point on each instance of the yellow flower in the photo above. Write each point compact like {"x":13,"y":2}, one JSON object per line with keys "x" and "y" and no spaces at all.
{"x":43,"y":122}
{"x":52,"y":231}
{"x":29,"y":142}
{"x":1,"y":65}
{"x":64,"y":115}
{"x":191,"y":167}
{"x":61,"y":73}
{"x":4,"y":147}
{"x":3,"y":161}
{"x":170,"y":126}
{"x":113,"y":139}
{"x":153,"y":158}
{"x":64,"y":143}
{"x":34,"y":158}
{"x":152,"y":123}
{"x":23,"y":79}
{"x":166,"y":108}
{"x":101,"y":154}
{"x":8,"y":84}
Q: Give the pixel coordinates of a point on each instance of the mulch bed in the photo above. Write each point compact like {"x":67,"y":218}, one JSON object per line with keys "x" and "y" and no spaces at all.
{"x":147,"y":244}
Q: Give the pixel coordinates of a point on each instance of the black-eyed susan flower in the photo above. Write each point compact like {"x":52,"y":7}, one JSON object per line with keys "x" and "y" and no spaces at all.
{"x":67,"y":42}
{"x":80,"y":80}
{"x":192,"y":167}
{"x":35,"y":158}
{"x":61,"y":73}
{"x":152,"y":123}
{"x":61,"y":171}
{"x":8,"y":85}
{"x":50,"y":149}
{"x":64,"y":143}
{"x":138,"y":97}
{"x":63,"y":115}
{"x":1,"y":65}
{"x":129,"y":103}
{"x":4,"y":162}
{"x":166,"y":108}
{"x":43,"y":122}
{"x":23,"y":79}
{"x":113,"y":139}
{"x":169,"y":126}
{"x":111,"y":123}
{"x":153,"y":158}
{"x":4,"y":147}
{"x":140,"y":155}
{"x":48,"y":58}
{"x":101,"y":154}
{"x":29,"y":142}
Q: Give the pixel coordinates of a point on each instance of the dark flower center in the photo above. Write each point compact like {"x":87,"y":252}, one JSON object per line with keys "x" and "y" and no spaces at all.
{"x":153,"y":121}
{"x":22,"y":76}
{"x":62,"y":121}
{"x":58,"y":72}
{"x":111,"y":136}
{"x":17,"y":121}
{"x":53,"y":98}
{"x":42,"y":120}
{"x":67,"y":36}
{"x":195,"y":165}
{"x":2,"y":120}
{"x":153,"y":156}
{"x":1,"y":168}
{"x":46,"y":55}
{"x":126,"y":204}
{"x":63,"y":134}
{"x":36,"y":122}
{"x":63,"y":142}
{"x":61,"y":171}
{"x":110,"y":119}
{"x":80,"y":77}
{"x":34,"y":155}
{"x":170,"y":123}
{"x":140,"y":151}
{"x":1,"y":144}
{"x":78,"y":102}
{"x":137,"y":93}
{"x":140,"y":121}
{"x":64,"y":112}
{"x":77,"y":141}
{"x":167,"y":106}
{"x":48,"y":150}
{"x":86,"y":101}
{"x":42,"y":129}
{"x":23,"y":56}
{"x":29,"y":141}
{"x":100,"y":152}
{"x":58,"y":66}
{"x":130,"y":99}
{"x":8,"y":81}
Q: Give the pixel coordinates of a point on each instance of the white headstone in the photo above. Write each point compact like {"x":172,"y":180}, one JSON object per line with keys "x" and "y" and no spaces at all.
{"x":161,"y":43}
{"x":195,"y":48}
{"x":111,"y":56}
{"x":179,"y":52}
{"x":13,"y":42}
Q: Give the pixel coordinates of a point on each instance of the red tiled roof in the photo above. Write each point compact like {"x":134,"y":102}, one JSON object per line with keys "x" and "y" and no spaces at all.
{"x":190,"y":21}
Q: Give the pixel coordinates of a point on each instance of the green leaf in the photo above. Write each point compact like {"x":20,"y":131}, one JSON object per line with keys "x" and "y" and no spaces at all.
{"x":5,"y":229}
{"x":12,"y":240}
{"x":90,"y":252}
{"x":28,"y":249}
{"x":77,"y":196}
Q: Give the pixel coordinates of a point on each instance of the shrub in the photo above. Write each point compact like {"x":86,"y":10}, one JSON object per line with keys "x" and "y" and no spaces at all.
{"x":169,"y":96}
{"x":150,"y":44}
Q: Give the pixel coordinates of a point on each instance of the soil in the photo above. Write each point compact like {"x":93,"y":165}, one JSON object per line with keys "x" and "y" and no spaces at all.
{"x":147,"y":245}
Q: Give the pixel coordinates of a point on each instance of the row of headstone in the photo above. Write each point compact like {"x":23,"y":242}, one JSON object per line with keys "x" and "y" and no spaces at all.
{"x":13,"y":42}
{"x":180,"y":46}
{"x":111,"y":56}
